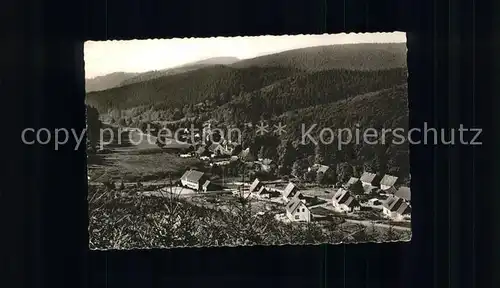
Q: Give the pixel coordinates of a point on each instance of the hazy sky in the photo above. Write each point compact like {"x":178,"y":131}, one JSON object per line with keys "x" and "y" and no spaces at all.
{"x":104,"y":57}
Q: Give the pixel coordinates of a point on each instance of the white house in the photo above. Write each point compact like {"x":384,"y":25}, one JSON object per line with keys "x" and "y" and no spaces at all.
{"x":395,"y":207}
{"x":193,"y":179}
{"x":344,"y":201}
{"x":290,"y":191}
{"x":387,"y":182}
{"x":297,"y":211}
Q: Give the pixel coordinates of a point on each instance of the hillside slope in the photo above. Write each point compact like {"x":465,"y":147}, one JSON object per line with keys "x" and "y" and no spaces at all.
{"x":177,"y":90}
{"x":107,"y":81}
{"x":150,"y":75}
{"x":372,"y":56}
{"x":305,"y":90}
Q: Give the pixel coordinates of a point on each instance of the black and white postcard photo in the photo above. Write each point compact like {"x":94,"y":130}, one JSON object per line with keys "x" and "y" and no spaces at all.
{"x":241,"y":141}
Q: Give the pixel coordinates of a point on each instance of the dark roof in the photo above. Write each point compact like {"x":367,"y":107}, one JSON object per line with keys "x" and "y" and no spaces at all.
{"x":290,"y":188}
{"x":388,"y":180}
{"x":255,"y":184}
{"x":293,"y":204}
{"x":368,"y":177}
{"x":344,"y":197}
{"x":391,"y":190}
{"x":396,"y":204}
{"x":192,"y":176}
{"x":403,"y":192}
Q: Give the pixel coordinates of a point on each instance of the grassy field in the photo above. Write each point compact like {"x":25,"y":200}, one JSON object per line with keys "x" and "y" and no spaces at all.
{"x":142,"y":167}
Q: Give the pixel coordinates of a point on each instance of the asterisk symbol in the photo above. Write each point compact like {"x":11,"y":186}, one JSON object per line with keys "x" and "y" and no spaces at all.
{"x":262,"y":128}
{"x":279,"y":129}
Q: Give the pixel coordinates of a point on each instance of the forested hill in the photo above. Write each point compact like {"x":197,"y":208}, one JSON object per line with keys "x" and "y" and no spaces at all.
{"x":191,"y":88}
{"x":146,"y":76}
{"x":372,"y":56}
{"x":305,"y":90}
{"x":107,"y":81}
{"x":384,"y":109}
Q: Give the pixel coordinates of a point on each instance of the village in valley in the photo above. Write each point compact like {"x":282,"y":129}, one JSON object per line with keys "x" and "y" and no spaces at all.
{"x":225,"y":173}
{"x":234,"y":166}
{"x":369,"y":198}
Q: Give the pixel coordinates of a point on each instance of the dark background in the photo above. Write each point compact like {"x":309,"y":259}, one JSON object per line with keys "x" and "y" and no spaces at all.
{"x":43,"y":216}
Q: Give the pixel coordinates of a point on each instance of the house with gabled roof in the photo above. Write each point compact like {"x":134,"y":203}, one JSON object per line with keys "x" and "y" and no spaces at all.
{"x":297,"y":211}
{"x":396,"y":207}
{"x":404,"y":193}
{"x":345,"y":202}
{"x":290,"y":191}
{"x":387,"y":182}
{"x":255,"y":186}
{"x":370,"y":179}
{"x":193,"y":179}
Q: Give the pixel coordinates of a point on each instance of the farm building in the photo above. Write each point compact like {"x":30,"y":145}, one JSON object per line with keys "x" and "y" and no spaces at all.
{"x":345,"y":202}
{"x":369,"y":180}
{"x":297,"y":211}
{"x":193,"y":179}
{"x":388,"y":181}
{"x":255,"y":186}
{"x":290,"y":191}
{"x":395,"y":207}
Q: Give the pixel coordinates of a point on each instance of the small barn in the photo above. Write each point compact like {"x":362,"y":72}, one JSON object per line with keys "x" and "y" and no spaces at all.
{"x":297,"y":211}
